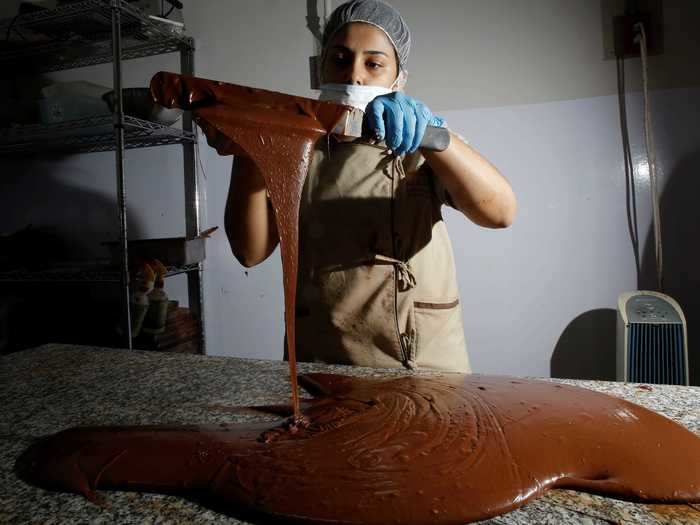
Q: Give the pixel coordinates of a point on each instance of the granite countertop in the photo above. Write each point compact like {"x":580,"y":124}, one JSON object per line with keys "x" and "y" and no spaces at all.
{"x":49,"y":388}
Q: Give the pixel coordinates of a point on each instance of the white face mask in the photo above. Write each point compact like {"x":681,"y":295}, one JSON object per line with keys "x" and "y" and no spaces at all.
{"x":352,"y":95}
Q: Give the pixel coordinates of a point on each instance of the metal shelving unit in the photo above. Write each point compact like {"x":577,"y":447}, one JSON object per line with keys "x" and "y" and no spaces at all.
{"x":93,"y":32}
{"x":79,"y":34}
{"x":79,"y":274}
{"x":89,"y":135}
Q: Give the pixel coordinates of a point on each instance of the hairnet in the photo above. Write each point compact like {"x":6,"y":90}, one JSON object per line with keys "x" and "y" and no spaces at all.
{"x":378,"y":14}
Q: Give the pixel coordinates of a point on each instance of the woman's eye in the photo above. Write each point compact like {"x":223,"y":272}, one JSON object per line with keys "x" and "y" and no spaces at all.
{"x":374,"y":65}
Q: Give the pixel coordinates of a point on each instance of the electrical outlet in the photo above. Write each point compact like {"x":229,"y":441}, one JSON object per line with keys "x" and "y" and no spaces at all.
{"x":619,"y":18}
{"x":626,"y":32}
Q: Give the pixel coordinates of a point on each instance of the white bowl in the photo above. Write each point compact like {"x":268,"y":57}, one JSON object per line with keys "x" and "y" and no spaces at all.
{"x":139,"y":103}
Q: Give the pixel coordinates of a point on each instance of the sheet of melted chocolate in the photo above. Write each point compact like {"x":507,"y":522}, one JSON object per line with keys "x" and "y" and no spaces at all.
{"x":413,"y":450}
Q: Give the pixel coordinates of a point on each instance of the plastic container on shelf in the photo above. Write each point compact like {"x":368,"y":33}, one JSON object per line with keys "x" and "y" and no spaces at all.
{"x":74,"y":100}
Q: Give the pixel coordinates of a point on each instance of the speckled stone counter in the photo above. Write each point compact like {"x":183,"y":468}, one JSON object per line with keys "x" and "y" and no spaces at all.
{"x":53,"y":387}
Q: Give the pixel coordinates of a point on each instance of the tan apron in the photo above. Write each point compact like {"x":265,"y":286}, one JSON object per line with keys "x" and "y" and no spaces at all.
{"x":377,"y":284}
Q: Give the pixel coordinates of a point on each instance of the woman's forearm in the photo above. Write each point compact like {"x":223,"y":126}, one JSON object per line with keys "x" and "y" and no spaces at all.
{"x":249,"y":219}
{"x":476,"y":187}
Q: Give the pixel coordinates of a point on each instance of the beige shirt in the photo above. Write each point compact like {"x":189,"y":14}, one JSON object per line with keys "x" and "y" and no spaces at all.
{"x":377,"y":284}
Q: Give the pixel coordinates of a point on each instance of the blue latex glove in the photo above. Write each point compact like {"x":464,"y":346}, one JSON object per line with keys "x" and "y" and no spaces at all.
{"x":400,"y":121}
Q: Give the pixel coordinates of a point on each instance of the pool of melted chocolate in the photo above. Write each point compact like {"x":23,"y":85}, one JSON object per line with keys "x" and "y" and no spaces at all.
{"x":447,"y":449}
{"x":411,"y":450}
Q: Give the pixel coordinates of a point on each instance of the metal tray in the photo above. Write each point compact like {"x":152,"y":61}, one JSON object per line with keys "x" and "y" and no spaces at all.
{"x":173,"y":251}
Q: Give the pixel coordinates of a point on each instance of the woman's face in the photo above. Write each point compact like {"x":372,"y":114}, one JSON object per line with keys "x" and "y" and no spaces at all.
{"x":360,"y":54}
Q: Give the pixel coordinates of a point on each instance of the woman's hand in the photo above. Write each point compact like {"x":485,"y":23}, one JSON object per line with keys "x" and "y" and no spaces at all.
{"x":400,"y":121}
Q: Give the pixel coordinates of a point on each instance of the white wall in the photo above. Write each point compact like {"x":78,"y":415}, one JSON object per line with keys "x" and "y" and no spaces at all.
{"x":547,"y":117}
{"x":561,"y":266}
{"x":466,"y":53}
{"x":527,"y":84}
{"x":470,"y":53}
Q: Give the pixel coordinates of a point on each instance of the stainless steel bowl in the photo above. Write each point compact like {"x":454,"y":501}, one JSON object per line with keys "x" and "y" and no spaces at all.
{"x":139,"y":103}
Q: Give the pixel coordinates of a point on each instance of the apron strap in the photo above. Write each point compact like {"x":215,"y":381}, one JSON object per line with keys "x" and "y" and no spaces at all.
{"x":408,"y":342}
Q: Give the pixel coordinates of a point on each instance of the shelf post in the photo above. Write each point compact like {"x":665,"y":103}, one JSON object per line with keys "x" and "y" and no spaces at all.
{"x":119,"y":156}
{"x":193,"y":193}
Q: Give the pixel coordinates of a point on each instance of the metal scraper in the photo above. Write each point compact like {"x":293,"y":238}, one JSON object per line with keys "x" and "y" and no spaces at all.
{"x":351,"y":125}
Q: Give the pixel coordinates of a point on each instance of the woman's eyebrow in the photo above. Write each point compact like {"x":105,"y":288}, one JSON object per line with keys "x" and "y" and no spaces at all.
{"x":375,"y":52}
{"x":367,"y":52}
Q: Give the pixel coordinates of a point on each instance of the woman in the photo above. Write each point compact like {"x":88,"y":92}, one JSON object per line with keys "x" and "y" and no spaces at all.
{"x":377,"y":284}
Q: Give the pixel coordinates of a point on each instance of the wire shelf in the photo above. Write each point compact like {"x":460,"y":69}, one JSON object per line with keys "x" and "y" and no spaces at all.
{"x":79,"y":34}
{"x":88,"y":135}
{"x":78,"y":274}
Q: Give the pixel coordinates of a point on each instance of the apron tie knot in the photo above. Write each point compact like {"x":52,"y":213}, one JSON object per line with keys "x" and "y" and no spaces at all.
{"x":404,"y":273}
{"x":407,"y":279}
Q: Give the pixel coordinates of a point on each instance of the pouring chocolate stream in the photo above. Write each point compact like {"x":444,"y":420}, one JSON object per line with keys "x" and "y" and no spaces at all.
{"x":278,"y":132}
